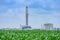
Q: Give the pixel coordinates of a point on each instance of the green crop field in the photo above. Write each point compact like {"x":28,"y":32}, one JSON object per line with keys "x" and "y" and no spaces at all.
{"x":29,"y":35}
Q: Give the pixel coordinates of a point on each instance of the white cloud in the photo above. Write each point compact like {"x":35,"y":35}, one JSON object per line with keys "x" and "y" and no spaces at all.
{"x":37,"y":19}
{"x":37,"y":16}
{"x":15,"y":17}
{"x":12,"y":18}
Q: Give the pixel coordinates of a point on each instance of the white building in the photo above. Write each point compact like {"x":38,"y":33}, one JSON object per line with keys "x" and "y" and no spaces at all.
{"x":48,"y":26}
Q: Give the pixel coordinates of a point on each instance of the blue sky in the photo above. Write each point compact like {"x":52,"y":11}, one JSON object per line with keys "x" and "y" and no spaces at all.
{"x":12,"y":13}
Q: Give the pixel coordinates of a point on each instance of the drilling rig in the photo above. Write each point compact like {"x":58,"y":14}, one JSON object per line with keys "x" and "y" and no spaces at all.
{"x":26,"y":27}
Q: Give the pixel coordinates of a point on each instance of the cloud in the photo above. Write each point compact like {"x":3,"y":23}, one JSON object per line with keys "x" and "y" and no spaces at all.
{"x":49,"y":5}
{"x":37,"y":19}
{"x":15,"y":17}
{"x":12,"y":18}
{"x":40,"y":12}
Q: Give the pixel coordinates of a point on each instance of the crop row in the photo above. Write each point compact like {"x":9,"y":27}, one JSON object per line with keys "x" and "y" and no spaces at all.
{"x":29,"y":35}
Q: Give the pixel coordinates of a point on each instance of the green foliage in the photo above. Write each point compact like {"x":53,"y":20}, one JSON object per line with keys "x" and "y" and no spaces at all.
{"x":29,"y":35}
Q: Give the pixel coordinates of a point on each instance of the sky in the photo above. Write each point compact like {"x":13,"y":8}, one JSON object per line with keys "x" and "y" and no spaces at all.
{"x":12,"y":13}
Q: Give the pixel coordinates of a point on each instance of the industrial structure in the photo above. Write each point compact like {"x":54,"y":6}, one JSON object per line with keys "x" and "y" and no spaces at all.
{"x":56,"y":28}
{"x":26,"y":27}
{"x":48,"y":26}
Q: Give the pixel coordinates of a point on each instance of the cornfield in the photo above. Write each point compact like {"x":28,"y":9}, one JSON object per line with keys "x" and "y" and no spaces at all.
{"x":29,"y":35}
